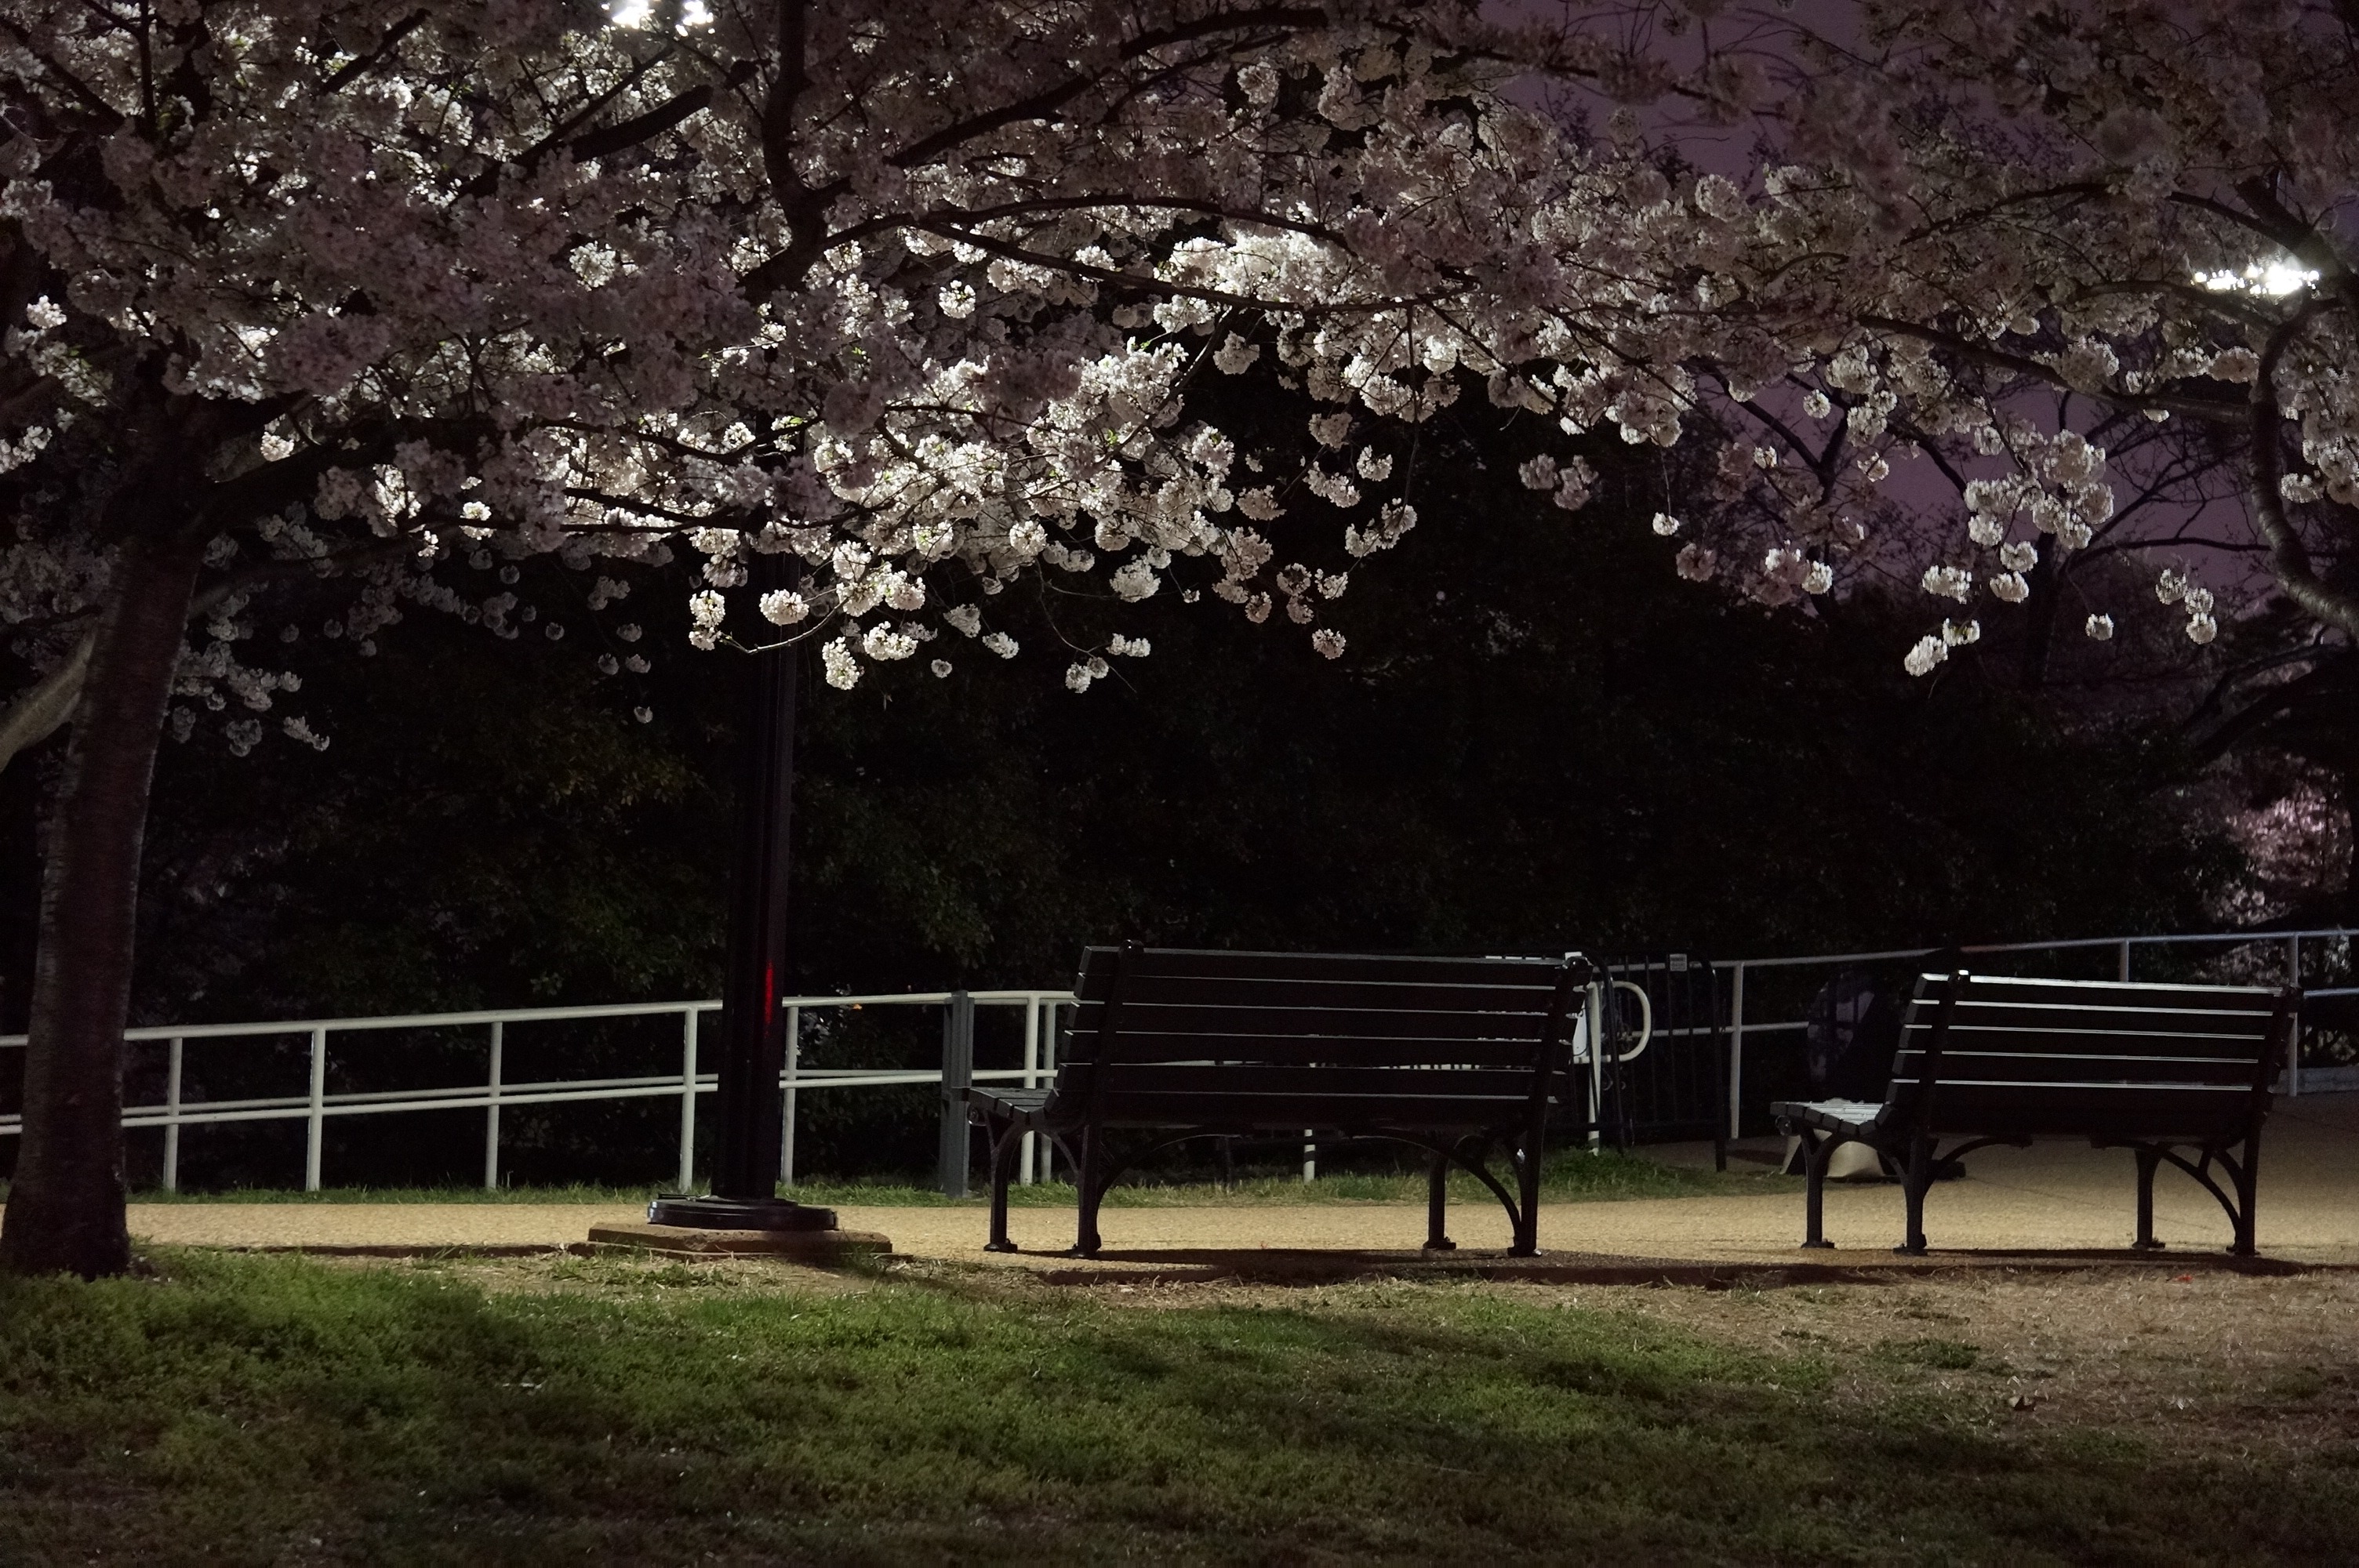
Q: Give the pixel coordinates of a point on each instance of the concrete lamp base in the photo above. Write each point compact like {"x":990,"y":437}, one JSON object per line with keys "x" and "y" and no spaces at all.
{"x":705,"y":1211}
{"x":822,"y":1248}
{"x":685,"y":1226}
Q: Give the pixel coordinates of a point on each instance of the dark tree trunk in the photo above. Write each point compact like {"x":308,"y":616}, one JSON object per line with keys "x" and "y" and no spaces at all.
{"x":20,"y":881}
{"x":2346,"y":898}
{"x":2039,"y":626}
{"x":65,"y":1206}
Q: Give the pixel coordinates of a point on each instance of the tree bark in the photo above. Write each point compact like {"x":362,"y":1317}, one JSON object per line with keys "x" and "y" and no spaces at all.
{"x":65,"y":1206}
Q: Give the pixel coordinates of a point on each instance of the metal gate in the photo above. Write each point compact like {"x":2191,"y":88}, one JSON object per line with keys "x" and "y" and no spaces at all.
{"x":1663,"y":1074}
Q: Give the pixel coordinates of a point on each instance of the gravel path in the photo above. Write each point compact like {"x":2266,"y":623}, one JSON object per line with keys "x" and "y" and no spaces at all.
{"x":2053,"y":1197}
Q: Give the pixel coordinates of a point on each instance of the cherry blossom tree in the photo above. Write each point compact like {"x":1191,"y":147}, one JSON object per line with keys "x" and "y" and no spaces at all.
{"x":395,"y":295}
{"x":2086,"y":264}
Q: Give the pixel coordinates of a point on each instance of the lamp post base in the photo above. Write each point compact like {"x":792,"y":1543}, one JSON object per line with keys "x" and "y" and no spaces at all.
{"x":812,"y":1249}
{"x":708,"y":1213}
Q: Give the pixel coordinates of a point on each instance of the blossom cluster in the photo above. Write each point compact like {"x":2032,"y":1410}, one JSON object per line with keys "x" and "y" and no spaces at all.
{"x":2047,"y":256}
{"x":454,"y":286}
{"x":414,"y":292}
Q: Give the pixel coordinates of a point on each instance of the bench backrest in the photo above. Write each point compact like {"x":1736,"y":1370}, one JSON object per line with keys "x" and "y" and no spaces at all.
{"x":2003,"y":1056}
{"x":1175,"y":1037}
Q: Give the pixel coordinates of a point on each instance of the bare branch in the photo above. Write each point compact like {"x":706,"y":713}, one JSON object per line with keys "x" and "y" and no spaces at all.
{"x":352,"y":70}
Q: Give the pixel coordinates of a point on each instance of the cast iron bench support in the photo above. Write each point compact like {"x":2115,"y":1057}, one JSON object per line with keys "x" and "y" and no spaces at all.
{"x":1462,"y":1057}
{"x":1989,"y":1059}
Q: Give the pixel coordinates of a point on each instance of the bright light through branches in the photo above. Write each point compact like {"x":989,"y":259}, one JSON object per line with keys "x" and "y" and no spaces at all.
{"x":2276,"y":279}
{"x":685,"y":14}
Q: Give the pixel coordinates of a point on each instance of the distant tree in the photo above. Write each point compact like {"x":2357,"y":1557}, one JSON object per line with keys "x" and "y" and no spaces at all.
{"x":2089,"y":262}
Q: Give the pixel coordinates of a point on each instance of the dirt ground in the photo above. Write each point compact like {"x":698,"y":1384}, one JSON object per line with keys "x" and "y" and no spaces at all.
{"x":2056,"y":1197}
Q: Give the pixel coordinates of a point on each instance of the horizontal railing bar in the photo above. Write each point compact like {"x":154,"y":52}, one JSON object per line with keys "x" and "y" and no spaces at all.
{"x":1018,"y":997}
{"x":476,"y":1097}
{"x":2230,"y":939}
{"x":555,"y":1014}
{"x":405,"y":1020}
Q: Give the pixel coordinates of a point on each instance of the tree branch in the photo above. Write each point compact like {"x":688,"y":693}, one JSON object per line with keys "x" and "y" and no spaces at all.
{"x":807,"y":204}
{"x":2288,"y":557}
{"x":2212,"y":410}
{"x":40,"y":712}
{"x":352,"y":70}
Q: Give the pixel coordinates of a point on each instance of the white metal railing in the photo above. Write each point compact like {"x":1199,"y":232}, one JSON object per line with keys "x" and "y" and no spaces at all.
{"x":1739,"y":1027}
{"x":316,"y":1105}
{"x":494,"y":1093}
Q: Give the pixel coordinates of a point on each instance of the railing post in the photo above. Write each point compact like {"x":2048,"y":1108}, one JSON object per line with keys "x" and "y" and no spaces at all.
{"x":794,"y":1064}
{"x":2293,"y":978}
{"x":492,"y":1111}
{"x":1031,"y":1079}
{"x":172,"y":1117}
{"x":318,"y":1117}
{"x":958,"y":1072}
{"x":1736,"y":1052}
{"x":2122,"y":972}
{"x":1047,"y":1149}
{"x":687,"y":1100}
{"x":1593,"y":1009}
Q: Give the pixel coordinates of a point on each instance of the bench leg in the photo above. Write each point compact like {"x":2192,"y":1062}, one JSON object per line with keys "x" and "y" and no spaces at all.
{"x":1004,"y":1144}
{"x":1436,"y":1236}
{"x":2149,"y":1158}
{"x":1818,"y":1149}
{"x":1085,"y":1236}
{"x":1914,"y":1182}
{"x":1528,"y":1210}
{"x":2249,"y":1186}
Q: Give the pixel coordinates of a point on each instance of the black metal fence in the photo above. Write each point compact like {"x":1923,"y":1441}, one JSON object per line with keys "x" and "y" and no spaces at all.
{"x":1663,"y":1074}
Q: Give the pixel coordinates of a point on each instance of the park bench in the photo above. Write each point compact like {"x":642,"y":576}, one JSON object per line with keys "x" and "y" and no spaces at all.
{"x":1460,"y":1056}
{"x":1988,"y":1059}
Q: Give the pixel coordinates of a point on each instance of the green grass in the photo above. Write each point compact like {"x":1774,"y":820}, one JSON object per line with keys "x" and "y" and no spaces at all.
{"x":273,"y":1409}
{"x":1567,"y":1177}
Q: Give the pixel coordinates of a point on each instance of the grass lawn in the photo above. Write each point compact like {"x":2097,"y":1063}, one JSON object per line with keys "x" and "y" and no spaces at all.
{"x":269,"y":1410}
{"x":1569,"y":1176}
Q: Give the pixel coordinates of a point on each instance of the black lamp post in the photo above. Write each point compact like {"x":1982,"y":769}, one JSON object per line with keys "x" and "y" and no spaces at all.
{"x":752,"y":1022}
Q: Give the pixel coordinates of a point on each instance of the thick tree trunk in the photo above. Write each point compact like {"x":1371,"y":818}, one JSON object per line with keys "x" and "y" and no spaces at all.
{"x":65,"y":1206}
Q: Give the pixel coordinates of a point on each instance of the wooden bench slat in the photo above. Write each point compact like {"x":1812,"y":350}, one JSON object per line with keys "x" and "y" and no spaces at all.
{"x":1357,"y":996}
{"x":2008,"y":1066}
{"x":2091,"y":1043}
{"x":1328,"y":968}
{"x":1264,"y":1077}
{"x":1985,"y":1014}
{"x":1359,"y":1022}
{"x":1308,"y":1112}
{"x":2126,"y":1126}
{"x":2006,"y":1108}
{"x":1402,"y":1055}
{"x":2107,"y":993}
